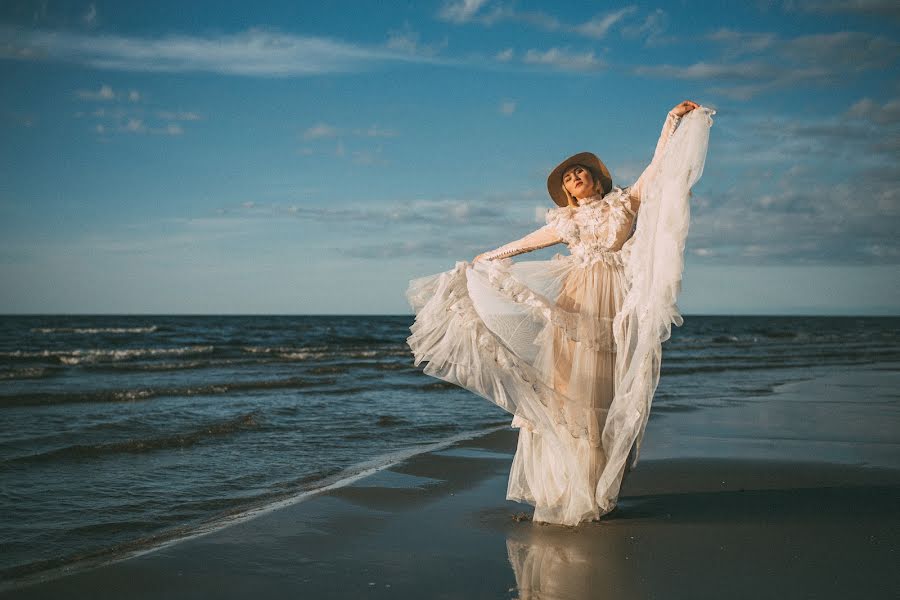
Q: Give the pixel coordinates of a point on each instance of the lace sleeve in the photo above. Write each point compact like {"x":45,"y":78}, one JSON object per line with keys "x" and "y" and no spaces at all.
{"x":543,"y":237}
{"x":668,"y":130}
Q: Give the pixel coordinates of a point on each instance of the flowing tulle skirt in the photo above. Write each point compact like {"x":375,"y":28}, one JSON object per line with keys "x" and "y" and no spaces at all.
{"x":536,"y":338}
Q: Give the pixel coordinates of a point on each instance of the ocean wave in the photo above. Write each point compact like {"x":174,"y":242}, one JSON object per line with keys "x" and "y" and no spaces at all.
{"x":302,"y":353}
{"x":148,"y":329}
{"x":120,"y":367}
{"x":54,"y":398}
{"x":27,"y":373}
{"x":140,"y":445}
{"x":79,"y":356}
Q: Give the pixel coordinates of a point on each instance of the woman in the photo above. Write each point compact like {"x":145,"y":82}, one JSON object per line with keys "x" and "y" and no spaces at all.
{"x":571,"y":346}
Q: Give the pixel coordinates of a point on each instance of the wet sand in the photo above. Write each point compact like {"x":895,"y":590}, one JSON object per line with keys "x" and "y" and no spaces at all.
{"x":437,"y":525}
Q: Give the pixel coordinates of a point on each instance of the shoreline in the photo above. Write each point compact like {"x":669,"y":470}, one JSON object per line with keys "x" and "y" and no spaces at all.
{"x":346,"y":477}
{"x":707,"y":525}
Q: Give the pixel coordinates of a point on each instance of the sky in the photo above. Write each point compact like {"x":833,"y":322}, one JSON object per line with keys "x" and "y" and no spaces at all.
{"x":313,"y":157}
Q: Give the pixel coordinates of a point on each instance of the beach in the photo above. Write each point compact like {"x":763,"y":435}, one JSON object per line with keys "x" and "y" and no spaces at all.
{"x":437,"y":525}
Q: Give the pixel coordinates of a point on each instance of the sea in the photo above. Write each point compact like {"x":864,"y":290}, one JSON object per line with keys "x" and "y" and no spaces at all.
{"x":121,"y":433}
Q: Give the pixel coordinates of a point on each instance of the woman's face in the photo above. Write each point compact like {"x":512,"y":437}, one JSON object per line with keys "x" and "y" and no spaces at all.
{"x":579,"y":182}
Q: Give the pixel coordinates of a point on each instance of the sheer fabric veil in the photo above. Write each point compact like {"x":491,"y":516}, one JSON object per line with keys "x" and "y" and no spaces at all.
{"x":654,"y":262}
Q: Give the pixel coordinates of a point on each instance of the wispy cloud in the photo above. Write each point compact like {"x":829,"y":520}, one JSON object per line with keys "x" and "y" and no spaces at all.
{"x":651,"y":30}
{"x":104,"y":93}
{"x":873,"y":8}
{"x":420,"y":212}
{"x":376,"y":131}
{"x":408,"y":42}
{"x":565,"y":59}
{"x":178,"y":115}
{"x":807,"y":190}
{"x":600,"y":25}
{"x":254,"y":53}
{"x":90,"y":16}
{"x":884,"y":114}
{"x":130,"y":117}
{"x":597,"y":27}
{"x":319,"y":131}
{"x":755,"y":62}
{"x":460,"y":11}
{"x":504,"y":55}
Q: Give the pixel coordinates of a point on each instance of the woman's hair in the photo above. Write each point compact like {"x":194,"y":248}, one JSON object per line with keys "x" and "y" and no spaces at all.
{"x":598,"y":187}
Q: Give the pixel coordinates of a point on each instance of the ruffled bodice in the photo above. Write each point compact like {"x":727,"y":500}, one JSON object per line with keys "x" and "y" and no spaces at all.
{"x":597,"y":228}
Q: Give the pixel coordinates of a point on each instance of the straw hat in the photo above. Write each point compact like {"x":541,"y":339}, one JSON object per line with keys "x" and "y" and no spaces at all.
{"x":586,"y":159}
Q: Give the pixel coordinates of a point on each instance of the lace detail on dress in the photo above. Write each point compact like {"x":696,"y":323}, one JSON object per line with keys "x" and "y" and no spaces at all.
{"x":593,"y":229}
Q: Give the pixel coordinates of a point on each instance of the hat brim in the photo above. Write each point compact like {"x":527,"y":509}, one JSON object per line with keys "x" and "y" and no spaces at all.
{"x":586,"y":159}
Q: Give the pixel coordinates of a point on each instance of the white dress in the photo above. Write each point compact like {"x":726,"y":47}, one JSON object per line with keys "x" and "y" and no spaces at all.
{"x":571,"y":346}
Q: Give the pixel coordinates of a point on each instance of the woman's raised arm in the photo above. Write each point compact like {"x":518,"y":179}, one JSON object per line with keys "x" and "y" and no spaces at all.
{"x":543,"y":237}
{"x":671,"y":123}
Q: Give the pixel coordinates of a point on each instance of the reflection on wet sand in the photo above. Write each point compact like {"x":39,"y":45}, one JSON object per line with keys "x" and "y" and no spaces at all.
{"x":552,"y":562}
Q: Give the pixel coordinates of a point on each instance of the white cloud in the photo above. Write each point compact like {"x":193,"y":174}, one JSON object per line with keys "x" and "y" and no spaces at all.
{"x":417,"y":213}
{"x":90,"y":17}
{"x":815,"y":189}
{"x":564,"y":59}
{"x":819,"y":59}
{"x":104,"y":93}
{"x":325,"y":131}
{"x":255,"y":53}
{"x":703,"y":70}
{"x":460,"y":11}
{"x":131,"y":119}
{"x":873,"y":8}
{"x":407,"y":41}
{"x":842,"y":50}
{"x":375,"y":132}
{"x":651,"y":29}
{"x":866,"y":108}
{"x":743,"y":42}
{"x":507,"y":107}
{"x":321,"y":130}
{"x":504,"y":55}
{"x":600,"y":25}
{"x":178,"y":115}
{"x":360,"y":156}
{"x":134,"y":126}
{"x":369,"y":157}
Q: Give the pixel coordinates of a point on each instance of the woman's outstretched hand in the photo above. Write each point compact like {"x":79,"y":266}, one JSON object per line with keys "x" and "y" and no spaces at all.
{"x":684,"y":108}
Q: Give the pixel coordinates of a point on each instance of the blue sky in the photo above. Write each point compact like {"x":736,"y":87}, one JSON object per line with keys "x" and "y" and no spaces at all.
{"x":300,"y":157}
